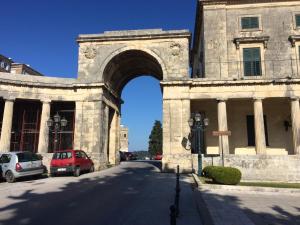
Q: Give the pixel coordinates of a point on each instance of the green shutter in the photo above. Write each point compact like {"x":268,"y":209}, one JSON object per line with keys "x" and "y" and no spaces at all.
{"x":250,"y":22}
{"x":297,"y":18}
{"x":252,"y":61}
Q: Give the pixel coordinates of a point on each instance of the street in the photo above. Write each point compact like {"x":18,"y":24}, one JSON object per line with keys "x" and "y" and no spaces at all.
{"x":133,"y":193}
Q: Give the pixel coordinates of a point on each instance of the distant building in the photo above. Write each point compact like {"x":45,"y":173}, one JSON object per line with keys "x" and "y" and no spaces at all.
{"x":20,"y":68}
{"x":5,"y":64}
{"x":124,"y":139}
{"x":9,"y":66}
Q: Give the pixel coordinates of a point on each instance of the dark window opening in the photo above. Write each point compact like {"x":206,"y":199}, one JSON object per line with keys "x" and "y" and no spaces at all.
{"x":252,"y":62}
{"x":250,"y":22}
{"x":297,"y":19}
{"x":251,"y":130}
{"x":65,"y":136}
{"x":25,"y":126}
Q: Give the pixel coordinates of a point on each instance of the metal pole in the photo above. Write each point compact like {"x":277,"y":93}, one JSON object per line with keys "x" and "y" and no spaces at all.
{"x":172,"y":215}
{"x":222,"y":150}
{"x":55,"y":136}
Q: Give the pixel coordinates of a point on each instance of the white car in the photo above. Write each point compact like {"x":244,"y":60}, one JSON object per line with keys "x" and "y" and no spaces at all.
{"x":20,"y":164}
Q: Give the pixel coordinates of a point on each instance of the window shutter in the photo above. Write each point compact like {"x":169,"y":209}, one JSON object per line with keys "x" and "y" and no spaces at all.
{"x":297,"y":18}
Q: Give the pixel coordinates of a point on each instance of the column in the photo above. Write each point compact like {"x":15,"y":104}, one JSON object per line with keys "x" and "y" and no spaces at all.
{"x":105,"y":132}
{"x":260,"y":139}
{"x":113,"y":139}
{"x":78,"y":124}
{"x":6,"y":125}
{"x":44,"y":129}
{"x":295,"y":116}
{"x":222,"y":122}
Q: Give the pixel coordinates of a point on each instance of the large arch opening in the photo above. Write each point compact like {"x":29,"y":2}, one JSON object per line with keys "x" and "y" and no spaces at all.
{"x":128,"y":65}
{"x":122,"y":69}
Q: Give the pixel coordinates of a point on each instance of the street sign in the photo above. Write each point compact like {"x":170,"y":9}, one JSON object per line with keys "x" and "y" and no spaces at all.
{"x":221,"y":133}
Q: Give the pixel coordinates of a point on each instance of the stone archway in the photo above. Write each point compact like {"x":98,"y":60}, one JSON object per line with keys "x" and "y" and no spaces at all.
{"x":111,"y":60}
{"x":128,"y":65}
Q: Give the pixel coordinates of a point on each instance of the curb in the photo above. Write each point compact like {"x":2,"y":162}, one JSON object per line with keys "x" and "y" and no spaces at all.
{"x":244,"y":188}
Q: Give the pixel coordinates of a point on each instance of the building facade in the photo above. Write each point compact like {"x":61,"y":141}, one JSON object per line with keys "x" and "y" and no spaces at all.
{"x":245,"y":78}
{"x":124,"y":142}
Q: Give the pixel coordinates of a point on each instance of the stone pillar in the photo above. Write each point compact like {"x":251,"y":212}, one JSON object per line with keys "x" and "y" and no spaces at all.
{"x":78,"y":125}
{"x":113,"y":139}
{"x":105,"y":133}
{"x":176,"y":130}
{"x":295,"y":116}
{"x":222,"y":122}
{"x":44,"y":129}
{"x":6,"y":125}
{"x":260,"y":139}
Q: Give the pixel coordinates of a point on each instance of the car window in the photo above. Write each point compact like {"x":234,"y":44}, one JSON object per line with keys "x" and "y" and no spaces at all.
{"x":62,"y":155}
{"x":83,"y":155}
{"x":26,"y":157}
{"x":78,"y":155}
{"x":5,"y":158}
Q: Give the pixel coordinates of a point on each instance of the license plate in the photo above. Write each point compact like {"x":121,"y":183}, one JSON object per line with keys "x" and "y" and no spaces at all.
{"x":61,"y":169}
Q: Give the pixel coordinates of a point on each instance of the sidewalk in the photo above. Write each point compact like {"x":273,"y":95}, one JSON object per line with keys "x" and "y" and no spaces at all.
{"x":238,"y":206}
{"x":189,"y":213}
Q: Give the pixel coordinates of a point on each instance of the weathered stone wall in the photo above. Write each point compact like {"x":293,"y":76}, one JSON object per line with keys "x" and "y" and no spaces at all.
{"x":261,"y":167}
{"x":221,"y":25}
{"x":170,"y":49}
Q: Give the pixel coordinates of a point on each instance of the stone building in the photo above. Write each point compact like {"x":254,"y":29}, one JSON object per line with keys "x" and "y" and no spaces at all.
{"x":20,"y":68}
{"x":245,"y":78}
{"x":5,"y":64}
{"x":124,"y":143}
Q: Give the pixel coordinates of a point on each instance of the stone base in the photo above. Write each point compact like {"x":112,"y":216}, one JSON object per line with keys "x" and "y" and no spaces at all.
{"x":170,"y":162}
{"x":284,"y":168}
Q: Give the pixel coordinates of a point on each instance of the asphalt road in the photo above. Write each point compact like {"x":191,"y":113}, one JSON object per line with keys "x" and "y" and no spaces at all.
{"x":134,"y":193}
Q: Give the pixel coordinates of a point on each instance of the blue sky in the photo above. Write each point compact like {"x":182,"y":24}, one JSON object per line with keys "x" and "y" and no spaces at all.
{"x":43,"y":34}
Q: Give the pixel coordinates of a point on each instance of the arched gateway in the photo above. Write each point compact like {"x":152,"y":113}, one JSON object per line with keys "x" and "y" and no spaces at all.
{"x":107,"y":62}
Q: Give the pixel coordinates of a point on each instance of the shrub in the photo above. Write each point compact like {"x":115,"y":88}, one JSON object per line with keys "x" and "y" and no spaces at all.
{"x":223,"y":175}
{"x":206,"y":172}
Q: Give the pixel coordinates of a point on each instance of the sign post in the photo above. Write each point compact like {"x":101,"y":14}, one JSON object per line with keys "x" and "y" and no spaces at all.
{"x":221,"y":134}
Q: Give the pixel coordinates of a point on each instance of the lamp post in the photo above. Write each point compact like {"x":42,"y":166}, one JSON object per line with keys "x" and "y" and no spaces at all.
{"x":56,"y":124}
{"x":198,"y":123}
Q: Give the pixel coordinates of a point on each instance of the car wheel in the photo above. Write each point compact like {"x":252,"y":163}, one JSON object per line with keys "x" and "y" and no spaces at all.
{"x":9,"y":176}
{"x":77,"y":172}
{"x":92,"y":169}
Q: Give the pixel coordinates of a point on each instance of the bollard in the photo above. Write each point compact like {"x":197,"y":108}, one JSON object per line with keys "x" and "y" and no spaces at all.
{"x":172,"y":215}
{"x":177,"y":204}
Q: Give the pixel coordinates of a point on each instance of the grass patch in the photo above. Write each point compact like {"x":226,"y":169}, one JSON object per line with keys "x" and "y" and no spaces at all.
{"x":270,"y":184}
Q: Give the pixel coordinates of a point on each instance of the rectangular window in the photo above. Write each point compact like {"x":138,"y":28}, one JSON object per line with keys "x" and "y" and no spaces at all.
{"x":251,"y":130}
{"x":252,"y":62}
{"x":297,"y":20}
{"x":250,"y":23}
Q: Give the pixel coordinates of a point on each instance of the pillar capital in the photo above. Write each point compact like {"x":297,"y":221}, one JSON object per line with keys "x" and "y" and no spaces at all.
{"x":294,"y":98}
{"x":9,"y":98}
{"x":259,"y":99}
{"x":221,"y":99}
{"x":45,"y":100}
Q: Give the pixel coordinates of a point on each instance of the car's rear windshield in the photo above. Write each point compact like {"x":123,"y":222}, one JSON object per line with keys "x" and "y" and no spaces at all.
{"x":62,"y":155}
{"x":27,"y":157}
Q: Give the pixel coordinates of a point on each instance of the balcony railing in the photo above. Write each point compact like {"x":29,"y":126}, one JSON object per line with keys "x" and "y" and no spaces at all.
{"x":272,"y":69}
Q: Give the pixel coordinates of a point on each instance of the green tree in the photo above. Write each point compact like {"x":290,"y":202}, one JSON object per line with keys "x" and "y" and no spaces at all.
{"x":155,"y":139}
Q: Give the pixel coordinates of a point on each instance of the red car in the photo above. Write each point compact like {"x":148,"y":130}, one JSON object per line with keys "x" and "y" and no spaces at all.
{"x":158,"y":157}
{"x":70,"y":161}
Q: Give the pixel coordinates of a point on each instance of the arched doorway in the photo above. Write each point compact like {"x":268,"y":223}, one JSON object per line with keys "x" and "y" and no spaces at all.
{"x":107,"y":62}
{"x":119,"y":71}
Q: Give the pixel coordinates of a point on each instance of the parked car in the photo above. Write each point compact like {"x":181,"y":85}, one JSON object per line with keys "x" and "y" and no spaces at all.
{"x":127,"y":156}
{"x":20,"y":164}
{"x":158,"y":157}
{"x":70,"y":161}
